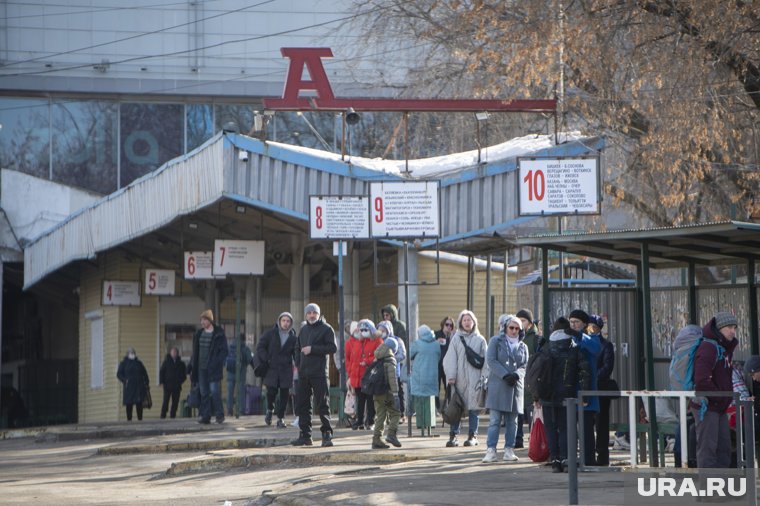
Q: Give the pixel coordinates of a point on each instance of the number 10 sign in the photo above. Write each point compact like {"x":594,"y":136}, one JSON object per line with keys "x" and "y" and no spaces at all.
{"x":558,"y":186}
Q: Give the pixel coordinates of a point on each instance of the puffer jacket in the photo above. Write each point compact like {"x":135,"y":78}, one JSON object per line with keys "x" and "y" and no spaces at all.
{"x":570,"y":368}
{"x":712,"y":373}
{"x":358,"y":352}
{"x":424,"y":354}
{"x":321,"y":337}
{"x":384,"y":353}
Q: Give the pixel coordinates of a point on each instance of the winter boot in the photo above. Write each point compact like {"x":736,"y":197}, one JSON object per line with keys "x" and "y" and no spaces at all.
{"x":302,"y":441}
{"x":392,"y":439}
{"x":472,"y":440}
{"x":377,"y":444}
{"x":281,"y":424}
{"x":326,"y":440}
{"x":453,"y":441}
{"x":268,"y":417}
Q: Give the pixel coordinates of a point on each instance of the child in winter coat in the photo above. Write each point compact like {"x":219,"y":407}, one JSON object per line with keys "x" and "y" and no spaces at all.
{"x":388,"y":405}
{"x":385,"y":330}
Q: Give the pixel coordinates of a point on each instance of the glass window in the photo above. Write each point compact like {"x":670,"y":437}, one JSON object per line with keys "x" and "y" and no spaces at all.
{"x":25,"y":136}
{"x":84,"y":144}
{"x":200,"y":124}
{"x":151,"y":134}
{"x":241,"y":115}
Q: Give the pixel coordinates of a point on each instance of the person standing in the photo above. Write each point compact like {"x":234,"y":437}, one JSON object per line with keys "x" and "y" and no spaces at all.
{"x":387,"y":405}
{"x":360,"y":353}
{"x":425,"y":355}
{"x":209,"y":354}
{"x":277,"y":347}
{"x":171,"y":376}
{"x":507,"y":357}
{"x":604,"y":366}
{"x":443,"y":336}
{"x":712,"y":373}
{"x":134,"y":378}
{"x":531,"y":338}
{"x":245,"y":360}
{"x":315,"y":344}
{"x":591,"y":347}
{"x":385,"y":332}
{"x":570,"y":372}
{"x":390,"y":314}
{"x":463,"y":375}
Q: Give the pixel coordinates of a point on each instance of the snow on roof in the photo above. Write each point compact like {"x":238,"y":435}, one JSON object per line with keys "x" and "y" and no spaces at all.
{"x":439,"y":165}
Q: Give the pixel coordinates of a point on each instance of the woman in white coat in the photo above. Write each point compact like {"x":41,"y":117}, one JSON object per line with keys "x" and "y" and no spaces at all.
{"x":464,"y":376}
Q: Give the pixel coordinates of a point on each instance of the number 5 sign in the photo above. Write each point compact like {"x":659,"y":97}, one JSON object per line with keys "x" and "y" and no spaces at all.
{"x":558,"y":186}
{"x":159,"y":282}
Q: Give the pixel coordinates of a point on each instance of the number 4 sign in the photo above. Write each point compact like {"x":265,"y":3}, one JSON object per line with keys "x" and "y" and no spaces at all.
{"x":558,"y":186}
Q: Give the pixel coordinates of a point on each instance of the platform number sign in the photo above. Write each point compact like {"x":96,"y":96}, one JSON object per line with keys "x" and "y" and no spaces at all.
{"x":559,"y":186}
{"x":338,"y":217}
{"x":238,"y":257}
{"x":159,"y":282}
{"x":199,"y":264}
{"x":405,"y":209}
{"x":121,"y":293}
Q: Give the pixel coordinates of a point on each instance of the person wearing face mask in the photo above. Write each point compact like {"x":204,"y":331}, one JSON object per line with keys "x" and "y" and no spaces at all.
{"x":134,"y":378}
{"x":385,"y":332}
{"x":360,"y":353}
{"x":316,"y":342}
{"x":507,"y":358}
{"x":277,"y":348}
{"x":463,"y":375}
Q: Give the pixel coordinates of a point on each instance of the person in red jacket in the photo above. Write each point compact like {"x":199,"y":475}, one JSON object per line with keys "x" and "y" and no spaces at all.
{"x":360,"y":353}
{"x":712,"y":373}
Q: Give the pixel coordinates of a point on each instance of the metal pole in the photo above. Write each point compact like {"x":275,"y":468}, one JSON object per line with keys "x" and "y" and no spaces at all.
{"x":692,"y":283}
{"x":238,"y":355}
{"x":749,"y":449}
{"x":489,"y":307}
{"x":506,"y":282}
{"x":341,"y":326}
{"x":581,"y":433}
{"x":753,"y":311}
{"x":408,"y":408}
{"x":545,"y":289}
{"x":684,"y":431}
{"x":632,"y":430}
{"x":646,"y":296}
{"x":572,"y":442}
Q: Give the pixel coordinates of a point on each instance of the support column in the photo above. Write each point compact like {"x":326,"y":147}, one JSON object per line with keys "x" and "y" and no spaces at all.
{"x":753,"y":309}
{"x":1,"y":327}
{"x":297,"y":282}
{"x":545,"y":290}
{"x":351,"y":282}
{"x":251,"y":332}
{"x":209,"y":296}
{"x":505,"y":285}
{"x":692,"y":293}
{"x":489,"y":307}
{"x":646,"y":309}
{"x":411,"y":319}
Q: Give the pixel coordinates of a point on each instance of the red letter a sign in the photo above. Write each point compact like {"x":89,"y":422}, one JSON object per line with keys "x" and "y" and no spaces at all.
{"x":311,"y":58}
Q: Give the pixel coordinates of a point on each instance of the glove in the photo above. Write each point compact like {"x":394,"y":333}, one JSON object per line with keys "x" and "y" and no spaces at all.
{"x":511,"y":378}
{"x":577,"y":334}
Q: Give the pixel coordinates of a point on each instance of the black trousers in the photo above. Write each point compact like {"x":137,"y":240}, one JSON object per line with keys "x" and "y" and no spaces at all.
{"x":275,"y":403}
{"x":319,"y":388}
{"x":174,"y":396}
{"x":589,"y":442}
{"x":401,"y":398}
{"x":363,"y":399}
{"x":129,"y":411}
{"x":603,"y":432}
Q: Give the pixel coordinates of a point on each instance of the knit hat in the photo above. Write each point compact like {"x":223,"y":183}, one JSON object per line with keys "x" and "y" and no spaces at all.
{"x":369,"y":325}
{"x":424,"y":332}
{"x":596,"y":320}
{"x":392,"y":344}
{"x":579,"y":314}
{"x":724,"y":319}
{"x":208,"y":314}
{"x":525,"y":313}
{"x":752,"y":365}
{"x":312,"y":307}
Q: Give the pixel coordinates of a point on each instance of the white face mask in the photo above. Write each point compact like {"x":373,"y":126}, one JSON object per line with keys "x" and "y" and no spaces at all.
{"x":365,"y":333}
{"x":132,"y":356}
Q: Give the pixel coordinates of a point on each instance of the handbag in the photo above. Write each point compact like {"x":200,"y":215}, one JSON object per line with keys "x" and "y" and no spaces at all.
{"x":349,"y":404}
{"x":260,"y":367}
{"x":609,"y":385}
{"x":538,"y":449}
{"x":453,"y":406}
{"x":194,"y":397}
{"x":472,"y":356}
{"x":482,"y":391}
{"x":147,"y":401}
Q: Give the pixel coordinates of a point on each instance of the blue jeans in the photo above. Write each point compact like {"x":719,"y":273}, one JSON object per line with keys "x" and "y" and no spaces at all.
{"x":211,"y":397}
{"x":473,"y":420}
{"x":510,"y":428}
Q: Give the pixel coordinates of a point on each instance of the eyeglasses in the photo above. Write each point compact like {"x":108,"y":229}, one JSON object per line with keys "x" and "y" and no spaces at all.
{"x":513,"y":328}
{"x":448,"y":324}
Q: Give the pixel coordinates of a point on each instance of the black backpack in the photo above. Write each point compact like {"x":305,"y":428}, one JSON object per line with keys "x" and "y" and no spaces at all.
{"x":538,"y":375}
{"x":374,"y":381}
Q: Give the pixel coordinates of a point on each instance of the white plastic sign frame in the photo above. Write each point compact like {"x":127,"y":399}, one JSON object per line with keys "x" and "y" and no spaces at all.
{"x":343,"y":217}
{"x":199,"y":265}
{"x":238,"y":257}
{"x":558,"y":186}
{"x":120,"y":293}
{"x":159,"y":282}
{"x":405,"y":209}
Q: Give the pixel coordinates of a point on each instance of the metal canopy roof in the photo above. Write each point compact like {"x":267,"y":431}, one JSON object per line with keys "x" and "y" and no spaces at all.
{"x":721,"y":243}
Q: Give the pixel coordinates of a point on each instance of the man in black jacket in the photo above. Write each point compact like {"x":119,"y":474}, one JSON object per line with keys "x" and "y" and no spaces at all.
{"x":171,"y":376}
{"x":209,"y":354}
{"x":316,"y":343}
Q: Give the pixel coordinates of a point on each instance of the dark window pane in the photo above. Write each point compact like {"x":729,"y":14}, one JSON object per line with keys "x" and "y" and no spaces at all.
{"x":241,"y":115}
{"x":200,"y":124}
{"x":84,"y":144}
{"x":24,"y":137}
{"x":151,"y":134}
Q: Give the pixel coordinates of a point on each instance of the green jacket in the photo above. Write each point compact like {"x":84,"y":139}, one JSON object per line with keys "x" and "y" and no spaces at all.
{"x":389,"y":365}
